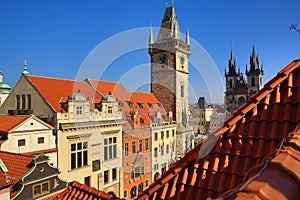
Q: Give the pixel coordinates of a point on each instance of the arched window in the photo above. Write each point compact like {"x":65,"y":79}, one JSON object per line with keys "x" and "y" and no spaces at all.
{"x":140,"y":188}
{"x":133,"y":192}
{"x":156,"y":176}
{"x":241,"y":101}
{"x":182,"y":91}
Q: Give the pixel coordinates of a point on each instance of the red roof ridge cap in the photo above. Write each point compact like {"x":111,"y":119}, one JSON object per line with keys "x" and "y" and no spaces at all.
{"x":288,"y":69}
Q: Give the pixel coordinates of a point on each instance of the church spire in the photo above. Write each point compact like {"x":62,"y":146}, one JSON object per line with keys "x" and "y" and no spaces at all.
{"x":254,"y":63}
{"x":231,"y":64}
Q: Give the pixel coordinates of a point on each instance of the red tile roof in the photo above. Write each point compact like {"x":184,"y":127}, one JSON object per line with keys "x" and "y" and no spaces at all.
{"x":54,"y":90}
{"x":17,"y":165}
{"x":222,"y":160}
{"x":7,"y":123}
{"x":147,"y":113}
{"x":80,"y":191}
{"x":278,"y":177}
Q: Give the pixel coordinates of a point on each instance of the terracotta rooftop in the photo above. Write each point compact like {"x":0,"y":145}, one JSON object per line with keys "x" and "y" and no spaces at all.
{"x":7,"y":123}
{"x":145,"y":103}
{"x":11,"y":160}
{"x":222,"y":161}
{"x":80,"y":191}
{"x":55,"y":90}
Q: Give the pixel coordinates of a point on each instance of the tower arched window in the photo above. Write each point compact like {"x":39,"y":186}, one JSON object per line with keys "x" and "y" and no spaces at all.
{"x":252,"y":81}
{"x":230,"y":83}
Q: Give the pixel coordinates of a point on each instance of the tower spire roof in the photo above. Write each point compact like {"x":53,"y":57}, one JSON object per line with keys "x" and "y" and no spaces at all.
{"x":151,"y":39}
{"x":187,"y":35}
{"x":169,"y":26}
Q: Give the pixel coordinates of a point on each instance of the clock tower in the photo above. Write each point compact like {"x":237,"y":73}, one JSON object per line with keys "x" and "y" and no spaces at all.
{"x":169,"y":67}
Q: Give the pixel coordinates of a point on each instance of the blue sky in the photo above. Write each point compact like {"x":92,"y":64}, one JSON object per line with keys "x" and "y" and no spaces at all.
{"x":56,"y":37}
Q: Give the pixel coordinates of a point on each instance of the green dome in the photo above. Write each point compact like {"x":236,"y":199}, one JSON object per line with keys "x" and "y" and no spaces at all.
{"x":5,"y":88}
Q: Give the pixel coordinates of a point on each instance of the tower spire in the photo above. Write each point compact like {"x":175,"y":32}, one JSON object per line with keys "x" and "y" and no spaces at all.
{"x":187,"y":35}
{"x":151,"y":39}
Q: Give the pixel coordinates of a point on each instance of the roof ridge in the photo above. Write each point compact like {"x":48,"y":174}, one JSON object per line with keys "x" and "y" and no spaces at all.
{"x":55,"y":78}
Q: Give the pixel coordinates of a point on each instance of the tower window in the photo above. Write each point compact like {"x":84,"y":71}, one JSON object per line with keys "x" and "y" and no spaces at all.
{"x":182,"y":91}
{"x":252,"y":81}
{"x":29,"y":101}
{"x":18,"y":101}
{"x":23,"y":101}
{"x":230,"y":83}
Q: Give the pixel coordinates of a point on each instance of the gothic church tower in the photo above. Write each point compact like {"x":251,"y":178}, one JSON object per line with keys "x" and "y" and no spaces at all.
{"x":169,"y":66}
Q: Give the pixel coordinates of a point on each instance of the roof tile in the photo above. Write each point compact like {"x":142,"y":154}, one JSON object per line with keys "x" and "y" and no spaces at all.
{"x":245,"y":142}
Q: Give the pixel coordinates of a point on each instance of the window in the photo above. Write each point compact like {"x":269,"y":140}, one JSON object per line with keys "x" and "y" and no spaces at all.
{"x":142,"y":106}
{"x":230,"y":83}
{"x":79,"y":155}
{"x":162,"y":135}
{"x":252,"y":81}
{"x":137,"y":172}
{"x":167,"y":148}
{"x":133,"y":192}
{"x":126,"y":149}
{"x":182,"y":91}
{"x":28,"y":101}
{"x":110,"y":148}
{"x":173,"y":133}
{"x":155,"y":136}
{"x":147,"y":183}
{"x":162,"y":151}
{"x":114,"y":174}
{"x":21,"y":142}
{"x":133,"y":147}
{"x":146,"y":144}
{"x":109,"y":109}
{"x":155,"y":152}
{"x":106,"y":175}
{"x":168,"y":134}
{"x":132,"y":174}
{"x":18,"y":99}
{"x":142,"y":121}
{"x":79,"y":110}
{"x":87,"y":181}
{"x":41,"y":189}
{"x":130,"y":104}
{"x":140,"y":145}
{"x":140,"y":188}
{"x":156,"y":166}
{"x":125,"y":194}
{"x":41,"y":140}
{"x":23,"y":101}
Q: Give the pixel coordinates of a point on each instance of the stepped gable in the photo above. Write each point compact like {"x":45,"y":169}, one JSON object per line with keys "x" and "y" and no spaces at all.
{"x":222,"y":161}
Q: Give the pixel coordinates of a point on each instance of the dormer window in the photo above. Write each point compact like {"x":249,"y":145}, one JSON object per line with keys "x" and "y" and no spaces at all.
{"x":142,"y":106}
{"x":79,"y":110}
{"x":151,"y":106}
{"x":109,"y":109}
{"x":130,"y":104}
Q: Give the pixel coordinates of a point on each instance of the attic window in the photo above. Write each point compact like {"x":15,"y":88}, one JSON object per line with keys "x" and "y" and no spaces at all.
{"x":121,"y":103}
{"x":142,"y":106}
{"x":151,"y":106}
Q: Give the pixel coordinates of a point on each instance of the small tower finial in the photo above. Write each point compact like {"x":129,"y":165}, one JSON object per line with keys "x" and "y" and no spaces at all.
{"x":151,"y":39}
{"x":173,"y":3}
{"x":187,"y":35}
{"x":166,"y":3}
{"x":25,"y":71}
